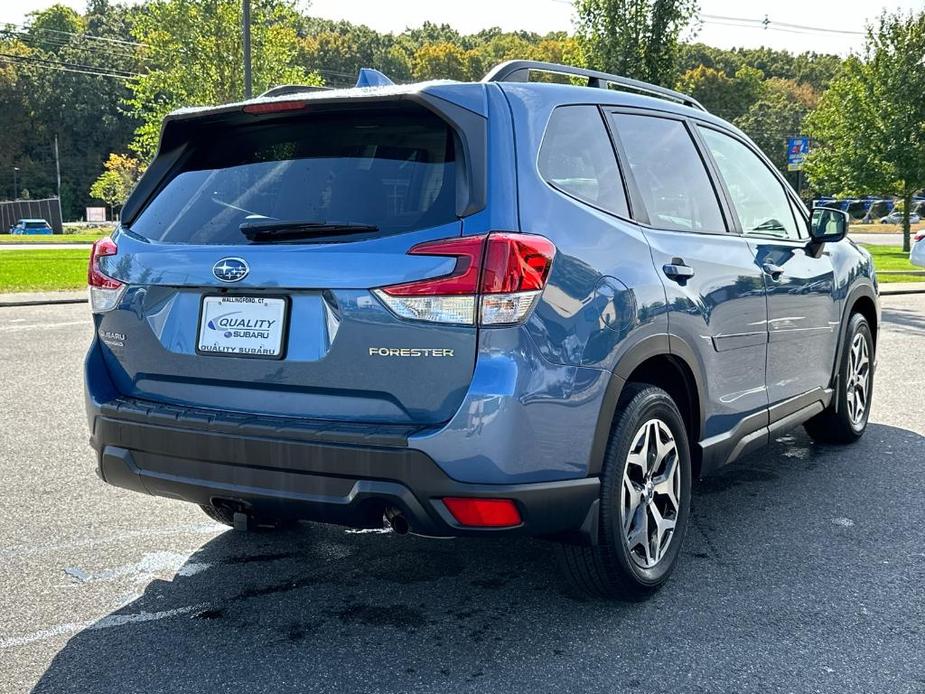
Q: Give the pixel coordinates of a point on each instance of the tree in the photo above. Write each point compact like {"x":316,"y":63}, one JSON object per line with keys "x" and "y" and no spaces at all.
{"x":727,"y":97}
{"x":634,"y":38}
{"x":194,"y":51}
{"x":338,"y":49}
{"x":82,"y":109}
{"x":770,"y":119}
{"x":870,"y":124}
{"x":55,"y":20}
{"x":116,"y":182}
{"x":443,"y":61}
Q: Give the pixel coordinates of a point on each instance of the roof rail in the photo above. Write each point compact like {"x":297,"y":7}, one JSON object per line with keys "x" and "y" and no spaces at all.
{"x":519,"y":71}
{"x":286,"y":89}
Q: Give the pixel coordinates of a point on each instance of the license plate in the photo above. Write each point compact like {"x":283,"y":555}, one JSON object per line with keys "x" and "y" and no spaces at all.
{"x":246,"y":326}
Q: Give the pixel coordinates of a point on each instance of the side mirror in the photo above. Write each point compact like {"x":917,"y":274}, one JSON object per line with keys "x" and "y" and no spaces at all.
{"x":826,"y":225}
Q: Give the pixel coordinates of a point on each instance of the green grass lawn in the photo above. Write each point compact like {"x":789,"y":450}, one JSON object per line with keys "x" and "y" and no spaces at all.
{"x":43,"y":270}
{"x":893,"y":258}
{"x":52,"y":238}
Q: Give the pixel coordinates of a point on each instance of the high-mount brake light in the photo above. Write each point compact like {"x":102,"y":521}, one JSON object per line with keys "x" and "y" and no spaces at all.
{"x":104,"y":291}
{"x":274,"y":107}
{"x":498,"y":275}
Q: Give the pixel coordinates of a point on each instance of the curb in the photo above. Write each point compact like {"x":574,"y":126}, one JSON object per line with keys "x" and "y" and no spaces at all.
{"x":45,"y":302}
{"x":900,"y":292}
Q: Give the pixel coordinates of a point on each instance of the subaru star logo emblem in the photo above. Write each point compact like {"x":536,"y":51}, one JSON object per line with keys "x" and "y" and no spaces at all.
{"x":230,"y":269}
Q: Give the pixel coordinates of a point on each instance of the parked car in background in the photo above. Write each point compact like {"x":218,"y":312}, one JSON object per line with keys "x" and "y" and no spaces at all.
{"x":896,"y":217}
{"x":496,"y":308}
{"x":876,"y":210}
{"x":32,"y":226}
{"x":917,"y":254}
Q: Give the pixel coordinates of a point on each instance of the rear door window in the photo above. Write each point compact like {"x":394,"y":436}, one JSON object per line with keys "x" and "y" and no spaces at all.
{"x":576,"y":157}
{"x":392,"y":169}
{"x":669,"y":173}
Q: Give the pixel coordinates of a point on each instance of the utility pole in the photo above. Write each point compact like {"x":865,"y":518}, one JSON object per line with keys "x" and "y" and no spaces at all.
{"x":58,"y":174}
{"x":15,"y":183}
{"x":246,"y":36}
{"x":58,"y":167}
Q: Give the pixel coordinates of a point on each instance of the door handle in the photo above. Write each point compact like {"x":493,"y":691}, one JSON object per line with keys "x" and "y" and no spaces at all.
{"x":678,"y":270}
{"x":775,"y":271}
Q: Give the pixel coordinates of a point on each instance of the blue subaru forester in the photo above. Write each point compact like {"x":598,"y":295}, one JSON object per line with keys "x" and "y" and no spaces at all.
{"x":508,"y":307}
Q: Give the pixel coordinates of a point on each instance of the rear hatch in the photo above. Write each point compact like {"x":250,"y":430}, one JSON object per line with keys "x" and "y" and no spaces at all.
{"x":250,"y":266}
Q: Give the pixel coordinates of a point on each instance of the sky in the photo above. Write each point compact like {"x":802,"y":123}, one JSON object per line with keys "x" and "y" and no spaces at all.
{"x":842,"y":20}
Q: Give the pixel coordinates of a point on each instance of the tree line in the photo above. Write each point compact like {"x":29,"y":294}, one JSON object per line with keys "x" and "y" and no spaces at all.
{"x":101,"y":81}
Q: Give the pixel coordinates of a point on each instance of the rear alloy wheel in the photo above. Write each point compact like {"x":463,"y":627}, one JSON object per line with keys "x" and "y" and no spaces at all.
{"x":645,"y":501}
{"x":845,"y":419}
{"x":651,"y":489}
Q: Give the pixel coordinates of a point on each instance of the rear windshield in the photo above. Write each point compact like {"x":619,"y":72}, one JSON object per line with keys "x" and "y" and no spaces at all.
{"x":391,"y":169}
{"x":36,"y":225}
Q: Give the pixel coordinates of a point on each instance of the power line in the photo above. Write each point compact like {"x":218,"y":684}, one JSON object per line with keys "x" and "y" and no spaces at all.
{"x":765,"y":23}
{"x":65,"y":69}
{"x":101,"y":52}
{"x":94,"y":37}
{"x":19,"y":34}
{"x":768,"y":23}
{"x":69,"y":67}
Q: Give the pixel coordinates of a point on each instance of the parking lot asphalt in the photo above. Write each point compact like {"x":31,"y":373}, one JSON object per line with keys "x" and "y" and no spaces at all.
{"x":878,"y":239}
{"x":803,"y":571}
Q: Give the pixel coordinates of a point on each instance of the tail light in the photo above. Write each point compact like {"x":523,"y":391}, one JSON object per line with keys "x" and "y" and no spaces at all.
{"x":496,"y":281}
{"x":918,"y":237}
{"x":104,"y":291}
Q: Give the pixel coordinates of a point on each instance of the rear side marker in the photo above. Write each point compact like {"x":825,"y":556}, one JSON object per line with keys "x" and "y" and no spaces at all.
{"x":496,"y":281}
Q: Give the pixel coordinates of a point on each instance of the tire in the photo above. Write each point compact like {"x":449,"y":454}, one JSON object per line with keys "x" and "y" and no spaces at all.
{"x":613,"y":568}
{"x":225,"y":516}
{"x":843,"y":421}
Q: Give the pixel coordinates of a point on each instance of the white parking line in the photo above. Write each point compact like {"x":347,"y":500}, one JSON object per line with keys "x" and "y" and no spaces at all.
{"x":113,"y":620}
{"x":25,"y":550}
{"x":42,"y":326}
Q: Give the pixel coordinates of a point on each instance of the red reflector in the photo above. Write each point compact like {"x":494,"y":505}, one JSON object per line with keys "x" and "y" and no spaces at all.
{"x":274,"y":107}
{"x":483,"y":513}
{"x":95,"y":278}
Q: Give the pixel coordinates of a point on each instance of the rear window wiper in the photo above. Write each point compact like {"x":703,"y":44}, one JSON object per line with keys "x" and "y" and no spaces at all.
{"x":283,"y":229}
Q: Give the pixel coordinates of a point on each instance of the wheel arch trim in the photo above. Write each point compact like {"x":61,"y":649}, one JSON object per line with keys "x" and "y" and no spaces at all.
{"x":661,"y":345}
{"x":861,"y":290}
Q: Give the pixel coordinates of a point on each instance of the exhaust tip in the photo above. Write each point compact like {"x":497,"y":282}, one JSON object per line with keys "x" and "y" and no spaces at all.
{"x":397,"y":521}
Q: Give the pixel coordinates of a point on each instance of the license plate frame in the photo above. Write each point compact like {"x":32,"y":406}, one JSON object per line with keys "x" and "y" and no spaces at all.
{"x":230,"y":299}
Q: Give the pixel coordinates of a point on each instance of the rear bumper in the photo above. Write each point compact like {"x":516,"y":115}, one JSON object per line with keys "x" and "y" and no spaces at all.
{"x":334,"y":476}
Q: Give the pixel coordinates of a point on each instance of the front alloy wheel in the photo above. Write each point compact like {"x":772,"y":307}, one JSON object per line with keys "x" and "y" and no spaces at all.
{"x":845,"y":419}
{"x":857,"y":389}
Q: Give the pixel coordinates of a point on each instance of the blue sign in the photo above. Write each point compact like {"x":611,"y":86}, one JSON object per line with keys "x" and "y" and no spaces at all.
{"x":797,"y":149}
